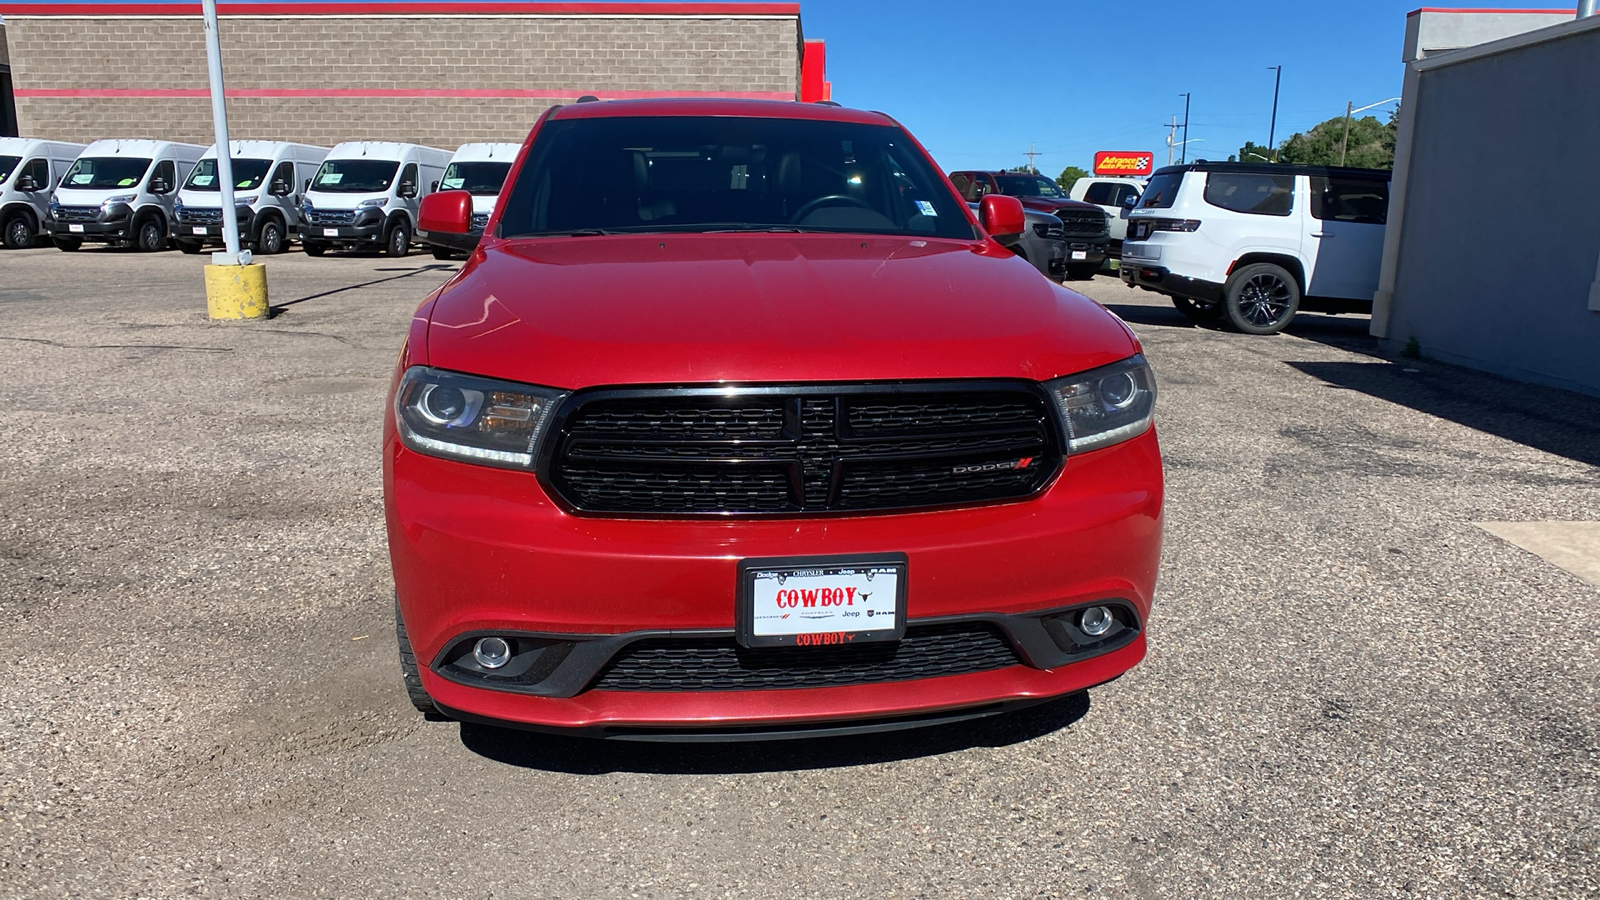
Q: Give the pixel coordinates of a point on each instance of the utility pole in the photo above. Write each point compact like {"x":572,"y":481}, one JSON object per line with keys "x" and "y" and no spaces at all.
{"x":1183,"y":156}
{"x":1030,"y":155}
{"x":1345,"y":143}
{"x":1272,"y":130}
{"x":1172,"y":137}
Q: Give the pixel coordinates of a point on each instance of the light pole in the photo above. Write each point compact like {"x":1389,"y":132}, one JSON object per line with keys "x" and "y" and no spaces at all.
{"x":1344,"y":145}
{"x":1272,"y":130}
{"x":1184,"y":156}
{"x":235,"y":289}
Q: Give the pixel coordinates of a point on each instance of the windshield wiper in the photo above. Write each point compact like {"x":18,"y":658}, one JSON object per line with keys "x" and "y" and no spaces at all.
{"x":580,"y":232}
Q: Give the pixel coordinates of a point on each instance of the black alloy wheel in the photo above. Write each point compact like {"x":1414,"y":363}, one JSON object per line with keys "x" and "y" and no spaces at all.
{"x":270,"y":240}
{"x":1261,"y":299}
{"x":18,"y":233}
{"x":150,"y":236}
{"x":1198,"y":310}
{"x":399,"y":240}
{"x":68,"y":244}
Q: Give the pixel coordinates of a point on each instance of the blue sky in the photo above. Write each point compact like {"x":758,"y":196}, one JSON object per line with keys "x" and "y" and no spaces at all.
{"x":976,"y":84}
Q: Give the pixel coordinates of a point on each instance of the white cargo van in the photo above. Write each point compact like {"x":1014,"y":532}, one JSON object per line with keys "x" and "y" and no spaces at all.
{"x":268,"y":182}
{"x":366,"y":194}
{"x":121,"y":192}
{"x":29,"y":170}
{"x":480,"y":170}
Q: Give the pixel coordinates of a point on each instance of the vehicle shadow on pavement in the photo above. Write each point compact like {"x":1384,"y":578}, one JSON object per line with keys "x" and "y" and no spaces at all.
{"x":589,"y":756}
{"x":406,"y":273}
{"x":1555,"y":421}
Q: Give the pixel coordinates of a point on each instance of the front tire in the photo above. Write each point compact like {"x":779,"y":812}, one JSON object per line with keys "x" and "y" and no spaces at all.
{"x":68,"y":244}
{"x":1198,"y":310}
{"x":270,"y":240}
{"x":18,"y":233}
{"x":399,"y":242}
{"x":150,"y":236}
{"x":314,"y":248}
{"x":415,"y":692}
{"x":1261,"y":299}
{"x":441,"y":253}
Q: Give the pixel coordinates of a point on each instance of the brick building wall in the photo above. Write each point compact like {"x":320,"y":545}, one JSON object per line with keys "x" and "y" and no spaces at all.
{"x":416,"y":72}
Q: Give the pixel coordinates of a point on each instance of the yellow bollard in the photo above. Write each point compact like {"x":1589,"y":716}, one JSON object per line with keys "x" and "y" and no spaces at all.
{"x":237,"y":292}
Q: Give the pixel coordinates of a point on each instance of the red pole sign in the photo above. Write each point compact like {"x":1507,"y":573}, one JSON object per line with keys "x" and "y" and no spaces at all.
{"x":1124,"y":162}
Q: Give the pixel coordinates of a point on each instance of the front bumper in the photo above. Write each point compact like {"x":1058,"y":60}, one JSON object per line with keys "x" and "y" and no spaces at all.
{"x":360,"y":232}
{"x":108,"y":229}
{"x":212,"y":231}
{"x":478,"y":550}
{"x":1087,"y":251}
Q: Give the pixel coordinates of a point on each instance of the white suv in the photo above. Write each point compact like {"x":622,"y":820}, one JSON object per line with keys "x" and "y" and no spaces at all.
{"x":1256,"y":242}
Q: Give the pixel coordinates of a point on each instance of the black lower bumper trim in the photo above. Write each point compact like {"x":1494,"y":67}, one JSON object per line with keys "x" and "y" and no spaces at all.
{"x":1155,"y":278}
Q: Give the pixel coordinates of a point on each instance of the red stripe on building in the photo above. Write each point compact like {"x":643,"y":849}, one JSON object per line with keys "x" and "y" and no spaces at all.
{"x":489,"y":94}
{"x":413,"y":9}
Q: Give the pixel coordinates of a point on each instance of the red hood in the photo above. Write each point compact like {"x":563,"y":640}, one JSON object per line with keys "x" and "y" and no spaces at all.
{"x":676,"y":309}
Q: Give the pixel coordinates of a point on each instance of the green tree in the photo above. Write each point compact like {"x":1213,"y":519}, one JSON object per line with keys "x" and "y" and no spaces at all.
{"x":1253,"y":152}
{"x":1069,"y":176}
{"x":1023,"y":170}
{"x":1371,"y":144}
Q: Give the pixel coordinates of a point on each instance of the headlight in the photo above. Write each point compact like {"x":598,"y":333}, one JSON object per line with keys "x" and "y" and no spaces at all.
{"x":178,"y":208}
{"x":55,"y":204}
{"x":120,"y":198}
{"x":1106,"y":406}
{"x":374,"y":203}
{"x":491,"y":422}
{"x":244,"y":201}
{"x":306,"y":205}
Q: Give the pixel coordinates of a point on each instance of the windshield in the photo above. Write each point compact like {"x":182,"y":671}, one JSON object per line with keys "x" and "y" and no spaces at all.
{"x":1029,"y":186}
{"x":728,"y":173}
{"x":481,"y":179}
{"x":355,"y":176}
{"x":101,"y":172}
{"x":7,"y":164}
{"x":247,"y":175}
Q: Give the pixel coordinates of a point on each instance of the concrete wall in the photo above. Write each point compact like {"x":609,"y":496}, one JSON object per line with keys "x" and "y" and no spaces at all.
{"x":428,"y":77}
{"x":1499,"y":252}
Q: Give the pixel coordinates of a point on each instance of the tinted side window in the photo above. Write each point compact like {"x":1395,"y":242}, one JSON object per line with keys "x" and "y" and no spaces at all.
{"x":1349,"y":200}
{"x":1248,"y":192}
{"x":1122,"y":193}
{"x":166,"y":171}
{"x":39,"y":169}
{"x":284,"y":174}
{"x":1162,"y":191}
{"x":409,"y":176}
{"x":1101,"y":193}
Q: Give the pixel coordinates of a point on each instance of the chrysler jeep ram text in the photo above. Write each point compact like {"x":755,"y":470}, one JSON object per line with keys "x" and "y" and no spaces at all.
{"x":739,"y":423}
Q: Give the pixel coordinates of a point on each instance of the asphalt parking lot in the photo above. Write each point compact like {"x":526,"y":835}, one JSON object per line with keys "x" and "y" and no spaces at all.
{"x":1353,"y":689}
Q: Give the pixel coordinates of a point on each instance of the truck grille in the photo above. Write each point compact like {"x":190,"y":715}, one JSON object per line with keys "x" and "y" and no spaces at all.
{"x":330,"y":217}
{"x":77,"y":213}
{"x":802,"y":449}
{"x":720,"y":664}
{"x":1084,"y":222}
{"x":200,"y":216}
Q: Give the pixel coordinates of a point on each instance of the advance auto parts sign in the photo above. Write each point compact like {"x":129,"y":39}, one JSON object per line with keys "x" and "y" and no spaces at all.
{"x":1124,"y":162}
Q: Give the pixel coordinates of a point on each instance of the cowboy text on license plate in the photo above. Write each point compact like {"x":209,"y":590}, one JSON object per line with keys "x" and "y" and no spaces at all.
{"x":828,"y":603}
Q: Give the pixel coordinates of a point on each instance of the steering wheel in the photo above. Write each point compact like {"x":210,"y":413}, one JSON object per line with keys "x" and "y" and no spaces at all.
{"x":813,"y":205}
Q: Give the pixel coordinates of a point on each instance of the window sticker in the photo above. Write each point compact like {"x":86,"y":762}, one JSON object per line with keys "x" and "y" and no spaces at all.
{"x":127,"y":182}
{"x":204,"y":180}
{"x":243,"y":184}
{"x":331,"y":178}
{"x":83,"y":178}
{"x":452,"y":184}
{"x":926,"y":208}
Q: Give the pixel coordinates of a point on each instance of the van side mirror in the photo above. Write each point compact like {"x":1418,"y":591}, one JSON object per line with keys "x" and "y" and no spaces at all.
{"x":160,"y":186}
{"x":279,"y":189}
{"x":308,"y":185}
{"x":408,"y":190}
{"x":27,"y":184}
{"x":1002,"y":216}
{"x":435,"y":186}
{"x":446,"y":212}
{"x":1130,"y":201}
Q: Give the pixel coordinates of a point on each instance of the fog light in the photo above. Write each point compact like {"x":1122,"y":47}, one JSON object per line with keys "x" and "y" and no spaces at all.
{"x":1094,"y":621}
{"x":492,"y":652}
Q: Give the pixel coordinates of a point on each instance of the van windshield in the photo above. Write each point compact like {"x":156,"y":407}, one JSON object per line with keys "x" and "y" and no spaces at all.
{"x":481,"y":179}
{"x":92,"y":173}
{"x":7,"y":165}
{"x":247,"y":175}
{"x":729,"y":173}
{"x":355,"y":176}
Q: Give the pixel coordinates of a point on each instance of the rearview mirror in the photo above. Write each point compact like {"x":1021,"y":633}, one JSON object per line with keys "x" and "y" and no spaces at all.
{"x":1002,"y":216}
{"x":446,"y":212}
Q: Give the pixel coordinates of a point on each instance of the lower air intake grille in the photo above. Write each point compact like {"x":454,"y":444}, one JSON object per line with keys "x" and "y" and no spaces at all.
{"x":720,"y":664}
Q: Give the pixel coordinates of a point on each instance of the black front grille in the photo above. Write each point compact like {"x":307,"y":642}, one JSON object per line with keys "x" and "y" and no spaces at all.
{"x":802,"y":450}
{"x":192,"y":215}
{"x":330,"y":216}
{"x":1083,"y":223}
{"x":77,"y":213}
{"x":720,"y":664}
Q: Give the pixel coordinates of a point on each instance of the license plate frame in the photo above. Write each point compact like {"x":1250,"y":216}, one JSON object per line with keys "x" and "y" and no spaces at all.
{"x":330,"y":232}
{"x":1080,"y":254}
{"x":759,"y":582}
{"x":200,"y":229}
{"x":75,"y":229}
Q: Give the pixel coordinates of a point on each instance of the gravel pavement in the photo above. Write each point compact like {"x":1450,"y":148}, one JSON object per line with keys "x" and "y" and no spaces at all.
{"x":1352,"y":690}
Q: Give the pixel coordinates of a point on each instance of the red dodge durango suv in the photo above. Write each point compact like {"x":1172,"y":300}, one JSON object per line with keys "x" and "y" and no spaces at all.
{"x":739,"y":423}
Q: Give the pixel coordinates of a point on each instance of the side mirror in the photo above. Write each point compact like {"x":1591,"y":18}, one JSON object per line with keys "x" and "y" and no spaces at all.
{"x":160,"y":186}
{"x":446,"y":212}
{"x":307,"y":186}
{"x":1003,"y":218}
{"x":1130,"y":201}
{"x":435,"y":186}
{"x":27,"y":184}
{"x":279,"y":189}
{"x":408,"y":190}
